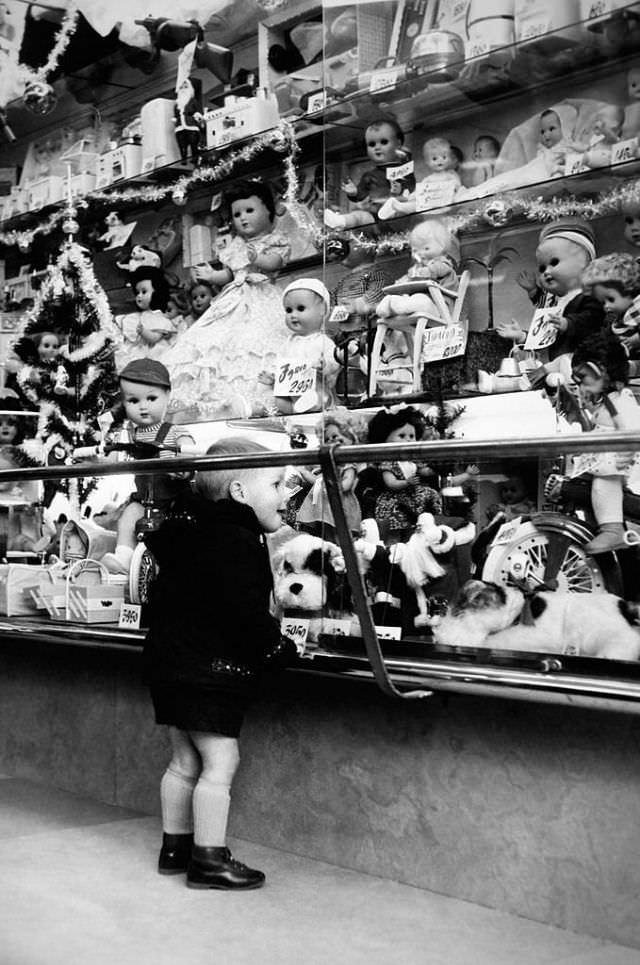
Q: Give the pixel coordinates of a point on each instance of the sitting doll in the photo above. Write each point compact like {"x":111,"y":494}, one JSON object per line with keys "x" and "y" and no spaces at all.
{"x":483,"y":161}
{"x":517,"y":497}
{"x":307,"y":367}
{"x":552,"y":147}
{"x":384,"y":140}
{"x":631,"y":122}
{"x":403,"y":494}
{"x":147,"y":332}
{"x":146,"y":389}
{"x":441,"y":163}
{"x":565,"y":248}
{"x":615,"y":281}
{"x":604,"y":133}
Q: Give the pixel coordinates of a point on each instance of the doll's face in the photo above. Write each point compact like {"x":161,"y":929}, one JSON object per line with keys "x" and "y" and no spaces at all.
{"x":611,"y":299}
{"x":484,"y":149}
{"x":334,"y":436}
{"x":406,"y":433}
{"x":172,"y":311}
{"x":513,"y":490}
{"x":250,"y":217}
{"x":201,"y":297}
{"x":437,"y":158}
{"x":560,"y":265}
{"x":590,"y":385}
{"x":8,"y":429}
{"x":304,"y":311}
{"x":632,"y":228}
{"x":633,"y":83}
{"x":382,"y":144}
{"x":426,"y":246}
{"x":144,"y":294}
{"x":48,"y":347}
{"x":608,"y":121}
{"x":144,"y":405}
{"x":550,"y":129}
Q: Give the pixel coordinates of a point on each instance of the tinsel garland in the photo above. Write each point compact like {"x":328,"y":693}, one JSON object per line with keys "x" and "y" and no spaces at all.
{"x":67,"y":29}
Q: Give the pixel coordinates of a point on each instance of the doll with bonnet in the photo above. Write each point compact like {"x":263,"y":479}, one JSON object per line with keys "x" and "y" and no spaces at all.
{"x":615,"y":281}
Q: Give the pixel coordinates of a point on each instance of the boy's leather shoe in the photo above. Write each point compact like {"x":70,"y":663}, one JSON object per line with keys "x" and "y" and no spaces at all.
{"x":215,"y":868}
{"x":175,"y":853}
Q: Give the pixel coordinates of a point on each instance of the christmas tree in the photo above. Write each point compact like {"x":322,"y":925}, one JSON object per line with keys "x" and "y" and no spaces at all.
{"x":65,"y":356}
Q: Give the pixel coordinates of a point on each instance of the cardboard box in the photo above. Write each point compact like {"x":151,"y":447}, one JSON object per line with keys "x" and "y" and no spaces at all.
{"x":16,"y":582}
{"x":94,"y":602}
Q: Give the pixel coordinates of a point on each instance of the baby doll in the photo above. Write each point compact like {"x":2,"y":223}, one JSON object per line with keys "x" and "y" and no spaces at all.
{"x":552,"y":146}
{"x":441,"y":164}
{"x":516,"y":497}
{"x":307,"y":367}
{"x":600,"y":369}
{"x":146,"y":389}
{"x":177,"y":310}
{"x":35,"y":363}
{"x":615,"y":281}
{"x":147,"y":331}
{"x":565,"y":248}
{"x":632,"y":224}
{"x":384,"y":140}
{"x":315,"y":515}
{"x":435,"y":252}
{"x":403,"y":495}
{"x":217,"y":363}
{"x":189,"y":119}
{"x":483,"y":161}
{"x":631,"y":123}
{"x":201,"y":294}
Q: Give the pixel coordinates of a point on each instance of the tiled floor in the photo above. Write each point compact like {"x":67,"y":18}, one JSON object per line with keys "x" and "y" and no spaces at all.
{"x":78,"y":886}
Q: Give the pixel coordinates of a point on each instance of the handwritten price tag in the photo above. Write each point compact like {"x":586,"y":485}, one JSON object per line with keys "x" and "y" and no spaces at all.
{"x":574,"y":163}
{"x":293,"y":377}
{"x":536,"y":27}
{"x":129,"y":616}
{"x":444,"y":342}
{"x":507,"y":532}
{"x":400,"y":172}
{"x":339,"y":314}
{"x":380,"y":79}
{"x":388,"y":633}
{"x":296,"y":630}
{"x":541,"y":332}
{"x":624,"y":151}
{"x":434,"y":194}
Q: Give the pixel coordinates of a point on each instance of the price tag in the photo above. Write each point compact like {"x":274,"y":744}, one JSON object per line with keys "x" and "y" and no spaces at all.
{"x":574,"y":163}
{"x":434,"y":194}
{"x":293,"y":377}
{"x":624,"y":151}
{"x":444,"y":342}
{"x":541,"y":332}
{"x":388,"y":633}
{"x":335,"y":627}
{"x":317,"y":101}
{"x":296,"y":630}
{"x":400,"y":171}
{"x":535,"y":27}
{"x":380,"y":79}
{"x":477,"y":48}
{"x":129,"y":616}
{"x":340,"y":314}
{"x":507,"y":532}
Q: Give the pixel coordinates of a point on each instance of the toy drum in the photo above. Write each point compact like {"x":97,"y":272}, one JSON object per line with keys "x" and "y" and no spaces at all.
{"x":438,"y":53}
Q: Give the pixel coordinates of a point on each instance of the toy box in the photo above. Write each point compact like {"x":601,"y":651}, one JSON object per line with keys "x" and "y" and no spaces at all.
{"x":118,"y":163}
{"x":159,"y":145}
{"x":240,"y":117}
{"x":47,"y":190}
{"x":548,"y":26}
{"x":16,"y":582}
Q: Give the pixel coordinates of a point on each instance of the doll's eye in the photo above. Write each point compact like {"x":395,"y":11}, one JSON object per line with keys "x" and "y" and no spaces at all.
{"x":554,"y":262}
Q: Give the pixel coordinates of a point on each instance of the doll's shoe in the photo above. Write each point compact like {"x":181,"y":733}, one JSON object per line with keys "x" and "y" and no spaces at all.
{"x":175,"y":853}
{"x":609,"y":539}
{"x":114,"y":564}
{"x":387,"y":210}
{"x":333,"y":219}
{"x":485,"y":382}
{"x":215,"y":868}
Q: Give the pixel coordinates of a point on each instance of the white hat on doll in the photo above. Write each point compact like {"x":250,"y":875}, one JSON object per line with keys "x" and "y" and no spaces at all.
{"x":312,"y":285}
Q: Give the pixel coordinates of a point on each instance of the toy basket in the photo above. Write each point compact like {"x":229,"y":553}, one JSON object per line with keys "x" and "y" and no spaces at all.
{"x":17,"y":580}
{"x":90,"y":596}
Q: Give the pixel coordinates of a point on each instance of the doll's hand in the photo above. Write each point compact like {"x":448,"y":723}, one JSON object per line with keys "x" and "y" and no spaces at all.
{"x":624,"y":460}
{"x":349,"y":187}
{"x":252,"y":253}
{"x":413,"y":480}
{"x":527,"y":280}
{"x":204,"y":273}
{"x":511,"y":330}
{"x":266,"y":378}
{"x":631,"y":343}
{"x":558,"y":321}
{"x":472,"y":470}
{"x":139,"y":329}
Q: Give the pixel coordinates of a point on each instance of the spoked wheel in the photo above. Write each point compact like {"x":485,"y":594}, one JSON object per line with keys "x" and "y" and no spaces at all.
{"x":143,"y":572}
{"x":549,"y":551}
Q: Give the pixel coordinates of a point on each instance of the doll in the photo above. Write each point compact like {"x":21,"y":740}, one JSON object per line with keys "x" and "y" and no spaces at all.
{"x":315,"y":515}
{"x":600,"y":370}
{"x":385,"y":147}
{"x":403,"y":494}
{"x":201,"y":294}
{"x":177,"y":309}
{"x":148,"y":331}
{"x":35,"y":362}
{"x":217,"y":363}
{"x":440,"y":160}
{"x":145,"y":389}
{"x":483,"y":161}
{"x":188,"y":119}
{"x":615,"y":281}
{"x":631,"y":123}
{"x":516,"y":497}
{"x":307,"y":367}
{"x":632,"y":224}
{"x":565,"y":248}
{"x":552,"y":146}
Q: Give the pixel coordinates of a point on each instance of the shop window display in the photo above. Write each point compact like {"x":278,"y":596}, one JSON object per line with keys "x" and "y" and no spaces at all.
{"x":392,"y":225}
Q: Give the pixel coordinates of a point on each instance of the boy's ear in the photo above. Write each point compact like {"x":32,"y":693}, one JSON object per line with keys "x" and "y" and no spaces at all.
{"x":236,"y":491}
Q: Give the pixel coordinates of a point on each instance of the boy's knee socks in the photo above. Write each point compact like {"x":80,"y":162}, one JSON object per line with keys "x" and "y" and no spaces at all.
{"x":176,"y":800}
{"x":210,"y":813}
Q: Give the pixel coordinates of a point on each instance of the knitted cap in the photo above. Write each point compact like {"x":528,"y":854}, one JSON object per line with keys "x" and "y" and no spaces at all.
{"x":309,"y":284}
{"x":618,"y":268}
{"x":147,"y":372}
{"x":571,"y":229}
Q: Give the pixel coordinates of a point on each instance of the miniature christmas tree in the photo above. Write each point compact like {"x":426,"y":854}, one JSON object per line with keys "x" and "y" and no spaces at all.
{"x":64,"y":356}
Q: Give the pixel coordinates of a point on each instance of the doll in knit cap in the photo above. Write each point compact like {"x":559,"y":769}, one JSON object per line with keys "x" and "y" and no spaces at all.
{"x":615,"y":281}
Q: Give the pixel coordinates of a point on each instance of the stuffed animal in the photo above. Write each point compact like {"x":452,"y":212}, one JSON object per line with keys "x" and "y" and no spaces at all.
{"x":578,"y":624}
{"x":308,"y":581}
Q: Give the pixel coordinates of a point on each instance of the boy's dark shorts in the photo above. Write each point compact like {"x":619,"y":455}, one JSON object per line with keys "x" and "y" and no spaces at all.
{"x":197,"y":708}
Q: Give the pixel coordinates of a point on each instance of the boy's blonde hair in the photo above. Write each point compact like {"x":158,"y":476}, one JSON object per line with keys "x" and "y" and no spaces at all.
{"x":214,"y":483}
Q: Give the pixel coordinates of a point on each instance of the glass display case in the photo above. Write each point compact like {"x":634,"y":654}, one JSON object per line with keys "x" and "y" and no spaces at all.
{"x":395,"y":242}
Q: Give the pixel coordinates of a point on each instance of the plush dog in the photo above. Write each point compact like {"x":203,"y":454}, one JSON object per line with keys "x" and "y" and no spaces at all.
{"x":580,"y":624}
{"x":309,"y":581}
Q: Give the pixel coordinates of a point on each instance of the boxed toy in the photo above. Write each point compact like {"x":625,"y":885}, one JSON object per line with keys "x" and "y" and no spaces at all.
{"x":16,"y":582}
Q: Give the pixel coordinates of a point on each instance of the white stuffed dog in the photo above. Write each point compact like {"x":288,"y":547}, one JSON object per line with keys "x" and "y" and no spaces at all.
{"x":306,"y":578}
{"x":580,"y":624}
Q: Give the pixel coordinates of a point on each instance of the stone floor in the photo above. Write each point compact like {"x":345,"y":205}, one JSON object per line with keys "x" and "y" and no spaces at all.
{"x":78,"y":886}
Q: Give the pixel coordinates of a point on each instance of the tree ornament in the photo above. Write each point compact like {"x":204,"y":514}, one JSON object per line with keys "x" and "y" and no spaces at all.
{"x":70,"y":226}
{"x":498,"y":213}
{"x":23,"y":244}
{"x":179,"y":195}
{"x":39,"y":97}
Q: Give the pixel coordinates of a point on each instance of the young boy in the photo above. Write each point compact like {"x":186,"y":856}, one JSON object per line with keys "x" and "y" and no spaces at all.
{"x":210,"y":636}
